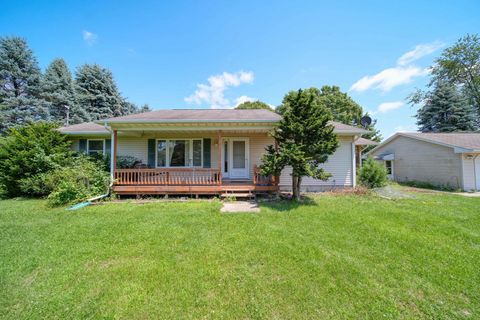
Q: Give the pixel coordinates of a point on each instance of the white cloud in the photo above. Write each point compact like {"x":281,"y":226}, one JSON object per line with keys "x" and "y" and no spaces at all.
{"x":389,"y":78}
{"x":389,"y":106}
{"x":89,"y":37}
{"x":418,"y":52}
{"x":213,"y":93}
{"x":404,"y":72}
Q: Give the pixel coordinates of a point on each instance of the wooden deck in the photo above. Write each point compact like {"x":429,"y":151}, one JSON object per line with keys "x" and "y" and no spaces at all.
{"x":199,"y":181}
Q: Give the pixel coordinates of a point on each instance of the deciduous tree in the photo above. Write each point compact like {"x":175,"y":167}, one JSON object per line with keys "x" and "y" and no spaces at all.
{"x":253,"y":105}
{"x":460,"y":65}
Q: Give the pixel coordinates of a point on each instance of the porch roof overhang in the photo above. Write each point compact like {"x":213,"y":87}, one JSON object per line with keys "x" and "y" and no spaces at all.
{"x":385,"y":157}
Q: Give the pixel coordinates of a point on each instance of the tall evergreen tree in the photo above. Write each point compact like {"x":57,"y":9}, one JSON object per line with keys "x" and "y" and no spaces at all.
{"x":445,"y":109}
{"x":128,"y":107}
{"x":97,"y":92}
{"x":304,"y":137}
{"x":144,"y":108}
{"x":59,"y":93}
{"x":19,"y":84}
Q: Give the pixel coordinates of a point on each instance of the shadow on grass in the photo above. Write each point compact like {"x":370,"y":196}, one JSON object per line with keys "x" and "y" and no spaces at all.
{"x":287,"y":205}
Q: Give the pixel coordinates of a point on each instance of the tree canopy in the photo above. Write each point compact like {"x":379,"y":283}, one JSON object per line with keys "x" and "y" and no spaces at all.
{"x":59,"y":93}
{"x":445,"y":109}
{"x":459,"y":65}
{"x":19,"y":84}
{"x":26,"y":95}
{"x":305,"y":138}
{"x":254,"y":105}
{"x":344,"y":109}
{"x":29,"y":151}
{"x":97,"y":92}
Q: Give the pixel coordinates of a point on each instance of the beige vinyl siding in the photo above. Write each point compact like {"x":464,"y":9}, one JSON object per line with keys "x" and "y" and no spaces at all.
{"x":469,"y":173}
{"x":136,"y":147}
{"x":423,"y":161}
{"x":257,"y":149}
{"x":339,"y":164}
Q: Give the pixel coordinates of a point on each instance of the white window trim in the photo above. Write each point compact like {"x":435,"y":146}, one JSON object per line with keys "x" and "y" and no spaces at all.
{"x":167,"y":153}
{"x":88,"y":145}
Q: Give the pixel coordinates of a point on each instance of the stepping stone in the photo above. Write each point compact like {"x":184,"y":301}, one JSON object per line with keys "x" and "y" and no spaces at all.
{"x":240,"y":206}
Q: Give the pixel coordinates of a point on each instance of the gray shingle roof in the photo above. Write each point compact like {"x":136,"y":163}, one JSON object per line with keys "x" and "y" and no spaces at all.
{"x":84,"y":128}
{"x":196,"y":115}
{"x":365,"y":142}
{"x":200,"y":115}
{"x":462,"y":139}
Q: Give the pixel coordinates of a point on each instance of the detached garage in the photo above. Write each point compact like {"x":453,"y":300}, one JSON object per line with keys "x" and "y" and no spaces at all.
{"x":443,"y":159}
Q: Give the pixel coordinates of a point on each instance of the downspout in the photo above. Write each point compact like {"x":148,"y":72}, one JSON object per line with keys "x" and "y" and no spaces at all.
{"x":111,"y":150}
{"x":354,"y":162}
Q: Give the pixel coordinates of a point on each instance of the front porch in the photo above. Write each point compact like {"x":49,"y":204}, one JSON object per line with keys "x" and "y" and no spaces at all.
{"x":205,"y":156}
{"x":198,"y":181}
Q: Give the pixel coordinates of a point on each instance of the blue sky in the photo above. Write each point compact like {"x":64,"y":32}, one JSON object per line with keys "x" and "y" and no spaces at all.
{"x":204,"y":54}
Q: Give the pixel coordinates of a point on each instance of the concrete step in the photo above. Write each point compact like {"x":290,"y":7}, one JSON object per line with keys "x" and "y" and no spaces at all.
{"x":237,"y":195}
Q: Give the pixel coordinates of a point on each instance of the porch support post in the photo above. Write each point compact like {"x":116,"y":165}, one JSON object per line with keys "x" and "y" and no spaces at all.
{"x":277,"y":177}
{"x":219,"y":159}
{"x":113,"y":164}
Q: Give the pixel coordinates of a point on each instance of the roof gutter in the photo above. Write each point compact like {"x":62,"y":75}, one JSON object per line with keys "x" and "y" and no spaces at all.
{"x":84,"y":133}
{"x":182,"y":121}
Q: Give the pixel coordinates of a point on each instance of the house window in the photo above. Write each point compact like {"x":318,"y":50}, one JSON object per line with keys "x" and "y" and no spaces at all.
{"x":388,"y":166}
{"x":180,"y":153}
{"x":161,"y":153}
{"x":95,"y":147}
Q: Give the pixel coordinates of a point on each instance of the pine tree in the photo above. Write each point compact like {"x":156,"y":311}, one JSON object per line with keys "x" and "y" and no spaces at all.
{"x":19,"y":84}
{"x":59,"y":93}
{"x":445,"y":110}
{"x":128,"y":108}
{"x":304,"y":138}
{"x":97,"y":92}
{"x":144,"y":108}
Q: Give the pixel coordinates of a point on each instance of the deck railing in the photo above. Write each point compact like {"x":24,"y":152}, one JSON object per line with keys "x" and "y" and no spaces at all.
{"x":261,"y":180}
{"x":168,"y":176}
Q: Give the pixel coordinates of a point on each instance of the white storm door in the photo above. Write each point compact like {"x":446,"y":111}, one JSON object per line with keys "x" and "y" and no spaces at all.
{"x":239,"y":158}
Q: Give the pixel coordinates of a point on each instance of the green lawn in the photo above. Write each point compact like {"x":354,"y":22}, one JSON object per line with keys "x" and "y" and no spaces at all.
{"x":337,"y":257}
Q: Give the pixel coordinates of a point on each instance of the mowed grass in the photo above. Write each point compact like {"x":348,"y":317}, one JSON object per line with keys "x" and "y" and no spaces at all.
{"x":336,"y":257}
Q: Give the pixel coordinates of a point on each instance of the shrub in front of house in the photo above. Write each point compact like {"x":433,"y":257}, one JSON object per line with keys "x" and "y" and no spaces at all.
{"x":127,"y":162}
{"x":27,"y":154}
{"x":372,"y":174}
{"x":83,"y":179}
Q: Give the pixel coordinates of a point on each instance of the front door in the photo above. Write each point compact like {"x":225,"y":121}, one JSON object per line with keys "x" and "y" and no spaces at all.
{"x":235,"y":158}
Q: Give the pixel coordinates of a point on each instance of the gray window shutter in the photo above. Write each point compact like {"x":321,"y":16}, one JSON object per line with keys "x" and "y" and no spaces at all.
{"x":151,"y":153}
{"x":82,"y":145}
{"x":108,"y":146}
{"x":207,"y":153}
